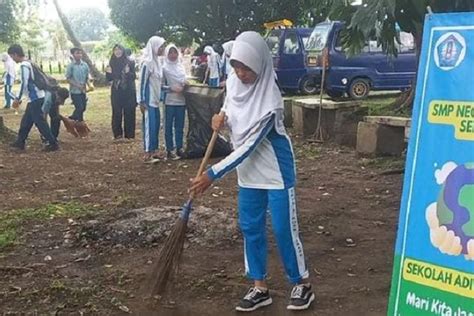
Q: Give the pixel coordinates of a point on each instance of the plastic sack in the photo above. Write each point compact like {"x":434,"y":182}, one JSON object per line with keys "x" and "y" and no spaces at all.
{"x":202,"y":103}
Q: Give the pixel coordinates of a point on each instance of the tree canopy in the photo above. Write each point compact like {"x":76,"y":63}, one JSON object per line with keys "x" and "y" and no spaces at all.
{"x":216,"y":20}
{"x":379,"y":19}
{"x":8,"y":24}
{"x":89,"y":24}
{"x":198,"y":20}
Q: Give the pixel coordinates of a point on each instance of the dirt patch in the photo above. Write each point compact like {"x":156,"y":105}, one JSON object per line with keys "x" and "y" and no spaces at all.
{"x":150,"y":226}
{"x":96,"y":263}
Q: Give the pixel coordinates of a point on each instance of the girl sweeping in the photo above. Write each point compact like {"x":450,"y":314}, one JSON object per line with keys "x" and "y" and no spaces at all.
{"x":212,"y":72}
{"x":151,"y":74}
{"x":175,"y":104}
{"x":264,"y":160}
{"x":121,"y":72}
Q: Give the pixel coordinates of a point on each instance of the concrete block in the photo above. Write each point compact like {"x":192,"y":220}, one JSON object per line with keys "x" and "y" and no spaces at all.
{"x":380,"y":140}
{"x":338,"y":121}
{"x":304,"y":120}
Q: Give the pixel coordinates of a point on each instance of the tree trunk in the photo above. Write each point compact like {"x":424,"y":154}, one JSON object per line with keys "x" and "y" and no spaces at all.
{"x":406,"y":99}
{"x":98,"y":76}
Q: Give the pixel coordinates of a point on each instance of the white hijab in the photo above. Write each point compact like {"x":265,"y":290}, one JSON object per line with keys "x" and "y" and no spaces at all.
{"x":174,"y":70}
{"x":9,"y":64}
{"x":227,"y":47}
{"x":209,"y":50}
{"x":150,"y":58}
{"x":246,"y":105}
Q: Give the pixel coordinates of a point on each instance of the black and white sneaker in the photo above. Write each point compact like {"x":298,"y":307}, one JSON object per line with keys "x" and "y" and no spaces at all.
{"x":255,"y":298}
{"x":180,"y":152}
{"x":51,"y":147}
{"x":171,"y":155}
{"x":301,"y":297}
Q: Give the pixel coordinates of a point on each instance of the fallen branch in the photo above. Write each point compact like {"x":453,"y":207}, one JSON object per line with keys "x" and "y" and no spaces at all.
{"x":392,"y":172}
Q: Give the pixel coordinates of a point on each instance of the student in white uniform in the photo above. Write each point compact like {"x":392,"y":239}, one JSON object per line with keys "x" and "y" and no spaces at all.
{"x":8,"y":78}
{"x":151,"y":76}
{"x":33,"y":112}
{"x":175,"y":104}
{"x":265,"y":163}
{"x":212,"y":72}
{"x":225,"y":61}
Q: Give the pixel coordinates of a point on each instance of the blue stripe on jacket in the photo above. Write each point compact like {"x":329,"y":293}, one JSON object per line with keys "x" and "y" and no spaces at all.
{"x":285,"y":157}
{"x":243,"y":152}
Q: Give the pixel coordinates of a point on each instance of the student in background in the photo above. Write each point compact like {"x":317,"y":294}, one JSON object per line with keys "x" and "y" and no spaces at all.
{"x":77,"y":74}
{"x":121,"y":73}
{"x":129,"y":54}
{"x":175,"y":104}
{"x":266,"y":172}
{"x":212,"y":72}
{"x":151,"y":76}
{"x":33,"y":112}
{"x":8,"y":78}
{"x":52,"y":101}
{"x":225,"y":61}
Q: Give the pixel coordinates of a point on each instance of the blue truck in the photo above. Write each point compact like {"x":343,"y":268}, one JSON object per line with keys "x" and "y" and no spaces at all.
{"x":287,"y":46}
{"x":357,"y":75}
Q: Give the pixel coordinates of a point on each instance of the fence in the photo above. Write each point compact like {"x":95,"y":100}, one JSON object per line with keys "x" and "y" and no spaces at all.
{"x":58,"y":67}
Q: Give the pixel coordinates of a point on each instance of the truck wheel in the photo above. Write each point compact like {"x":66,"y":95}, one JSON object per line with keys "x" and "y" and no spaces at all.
{"x":359,"y":88}
{"x":334,"y":94}
{"x":308,"y":86}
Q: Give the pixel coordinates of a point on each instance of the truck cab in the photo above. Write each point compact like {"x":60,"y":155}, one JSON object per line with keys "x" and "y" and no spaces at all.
{"x":287,"y":46}
{"x":371,"y":69}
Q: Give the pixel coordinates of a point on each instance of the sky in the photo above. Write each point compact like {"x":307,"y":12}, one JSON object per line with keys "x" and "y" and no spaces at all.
{"x":50,"y":12}
{"x":68,"y":4}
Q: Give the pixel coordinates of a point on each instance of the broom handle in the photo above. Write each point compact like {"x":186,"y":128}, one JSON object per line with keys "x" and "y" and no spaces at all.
{"x":208,"y":153}
{"x":204,"y":161}
{"x":187,"y":207}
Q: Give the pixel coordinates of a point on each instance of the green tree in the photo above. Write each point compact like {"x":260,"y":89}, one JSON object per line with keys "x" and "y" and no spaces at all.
{"x":31,"y":34}
{"x":58,"y":38}
{"x":89,"y":24}
{"x":199,"y":20}
{"x":98,"y":76}
{"x":104,"y":49}
{"x":8,"y":24}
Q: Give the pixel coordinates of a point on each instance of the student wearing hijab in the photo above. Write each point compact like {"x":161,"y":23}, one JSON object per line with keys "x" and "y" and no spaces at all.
{"x":121,"y":73}
{"x":129,"y":54}
{"x":151,"y":76}
{"x":265,"y":163}
{"x":225,"y":61}
{"x":212,"y":72}
{"x":175,"y":104}
{"x":8,"y":78}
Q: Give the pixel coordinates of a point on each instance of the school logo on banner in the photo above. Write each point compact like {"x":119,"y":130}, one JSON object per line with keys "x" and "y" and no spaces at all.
{"x":433,"y":271}
{"x":450,"y":51}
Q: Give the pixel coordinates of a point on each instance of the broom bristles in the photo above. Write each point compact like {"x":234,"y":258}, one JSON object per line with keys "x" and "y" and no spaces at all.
{"x":169,"y":257}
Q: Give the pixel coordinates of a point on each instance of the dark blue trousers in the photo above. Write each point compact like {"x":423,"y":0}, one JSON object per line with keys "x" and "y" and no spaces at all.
{"x":34,"y":115}
{"x":80,"y":102}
